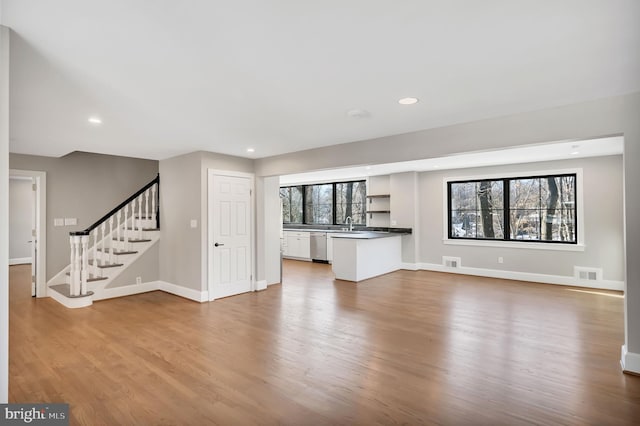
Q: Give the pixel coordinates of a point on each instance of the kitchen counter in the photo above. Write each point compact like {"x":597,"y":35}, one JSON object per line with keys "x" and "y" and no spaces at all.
{"x":359,"y":256}
{"x":366,"y":235}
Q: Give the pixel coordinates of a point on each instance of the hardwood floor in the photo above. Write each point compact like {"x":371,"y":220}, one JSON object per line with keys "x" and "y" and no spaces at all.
{"x":404,"y":348}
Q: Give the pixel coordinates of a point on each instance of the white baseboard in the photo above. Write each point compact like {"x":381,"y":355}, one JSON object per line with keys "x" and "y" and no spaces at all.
{"x":524,"y":276}
{"x":187,"y":293}
{"x":629,"y":361}
{"x":261,"y":285}
{"x":70,"y":302}
{"x":19,"y":260}
{"x":126,"y":290}
{"x":410,"y":266}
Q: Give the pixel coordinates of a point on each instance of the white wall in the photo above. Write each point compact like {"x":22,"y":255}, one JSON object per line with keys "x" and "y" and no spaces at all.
{"x":602,"y":216}
{"x":4,"y":214}
{"x":21,"y":206}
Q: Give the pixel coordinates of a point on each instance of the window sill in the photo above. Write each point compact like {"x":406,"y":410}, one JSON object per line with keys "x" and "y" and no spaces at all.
{"x":516,"y":245}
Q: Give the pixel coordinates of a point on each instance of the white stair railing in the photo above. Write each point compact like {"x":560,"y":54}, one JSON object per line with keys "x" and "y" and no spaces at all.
{"x":80,"y":268}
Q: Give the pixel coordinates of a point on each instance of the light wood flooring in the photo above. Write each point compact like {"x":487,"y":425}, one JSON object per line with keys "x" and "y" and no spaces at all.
{"x":404,"y":348}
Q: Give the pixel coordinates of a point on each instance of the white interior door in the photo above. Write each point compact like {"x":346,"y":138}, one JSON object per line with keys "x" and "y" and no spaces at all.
{"x":230,"y":232}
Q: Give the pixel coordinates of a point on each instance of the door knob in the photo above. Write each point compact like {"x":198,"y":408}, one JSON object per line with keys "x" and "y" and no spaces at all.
{"x":218,"y":244}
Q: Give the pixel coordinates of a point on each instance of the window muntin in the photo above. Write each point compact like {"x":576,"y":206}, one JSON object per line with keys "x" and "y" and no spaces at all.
{"x":533,"y":209}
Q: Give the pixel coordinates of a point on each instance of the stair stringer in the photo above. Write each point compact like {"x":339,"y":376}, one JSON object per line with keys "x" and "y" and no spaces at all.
{"x":101,"y":288}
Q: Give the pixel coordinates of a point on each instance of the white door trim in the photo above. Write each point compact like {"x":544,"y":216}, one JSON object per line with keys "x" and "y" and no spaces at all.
{"x":209,"y":231}
{"x":40,"y":179}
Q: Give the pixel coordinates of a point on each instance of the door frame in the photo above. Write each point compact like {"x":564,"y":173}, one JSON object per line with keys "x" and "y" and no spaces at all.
{"x":209,"y":228}
{"x":39,"y":178}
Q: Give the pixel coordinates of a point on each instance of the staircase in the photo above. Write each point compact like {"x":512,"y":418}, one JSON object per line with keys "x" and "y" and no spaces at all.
{"x":100,"y":253}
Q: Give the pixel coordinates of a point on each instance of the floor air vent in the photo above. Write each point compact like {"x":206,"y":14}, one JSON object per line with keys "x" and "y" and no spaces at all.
{"x":451,"y":262}
{"x":587,"y":274}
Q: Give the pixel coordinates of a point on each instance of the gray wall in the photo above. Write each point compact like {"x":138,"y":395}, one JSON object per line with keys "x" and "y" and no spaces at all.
{"x":146,"y":267}
{"x":603,"y":117}
{"x":179,"y":203}
{"x":602,"y":215}
{"x":183,"y":250}
{"x":83,"y":186}
{"x":21,"y":205}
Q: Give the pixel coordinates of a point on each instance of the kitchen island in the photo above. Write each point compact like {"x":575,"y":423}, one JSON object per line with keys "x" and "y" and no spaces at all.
{"x":362,"y":255}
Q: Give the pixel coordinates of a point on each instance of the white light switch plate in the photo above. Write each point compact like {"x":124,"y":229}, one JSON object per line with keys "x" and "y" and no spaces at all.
{"x":58,"y":221}
{"x":194,"y":223}
{"x":70,"y":221}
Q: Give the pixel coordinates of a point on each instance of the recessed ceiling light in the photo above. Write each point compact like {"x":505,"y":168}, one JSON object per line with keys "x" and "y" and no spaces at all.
{"x":251,"y":150}
{"x":575,"y":153}
{"x":368,"y":167}
{"x":95,"y":120}
{"x":408,"y":101}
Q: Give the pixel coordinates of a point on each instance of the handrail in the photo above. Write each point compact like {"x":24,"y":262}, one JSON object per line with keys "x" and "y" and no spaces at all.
{"x":120,"y":206}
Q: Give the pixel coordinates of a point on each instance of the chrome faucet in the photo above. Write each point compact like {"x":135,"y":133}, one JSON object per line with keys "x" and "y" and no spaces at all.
{"x":349,"y":222}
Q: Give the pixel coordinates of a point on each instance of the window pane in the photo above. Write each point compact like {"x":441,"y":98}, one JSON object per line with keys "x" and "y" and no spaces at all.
{"x":319,"y":204}
{"x":477,"y":209}
{"x":463,"y":224}
{"x":291,"y":204}
{"x":524,"y":193}
{"x":525,"y":224}
{"x":555,"y":205}
{"x":351,"y":202}
{"x":463,"y":196}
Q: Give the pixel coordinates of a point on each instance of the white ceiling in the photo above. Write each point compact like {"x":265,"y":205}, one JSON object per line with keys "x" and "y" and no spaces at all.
{"x":170,"y":77}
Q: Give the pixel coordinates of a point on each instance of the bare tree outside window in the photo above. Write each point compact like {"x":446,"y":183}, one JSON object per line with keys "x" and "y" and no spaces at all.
{"x":318,"y":204}
{"x":351,"y":200}
{"x":291,"y":204}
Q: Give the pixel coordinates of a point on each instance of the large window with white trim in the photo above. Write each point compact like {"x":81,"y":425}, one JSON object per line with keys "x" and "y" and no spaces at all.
{"x":532,"y":208}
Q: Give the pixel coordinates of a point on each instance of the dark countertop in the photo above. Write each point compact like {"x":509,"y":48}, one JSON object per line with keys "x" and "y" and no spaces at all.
{"x":332,"y":229}
{"x":367,"y":235}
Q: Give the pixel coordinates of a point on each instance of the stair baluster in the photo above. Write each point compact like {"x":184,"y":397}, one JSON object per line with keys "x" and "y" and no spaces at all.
{"x":153,"y":201}
{"x":118,"y":225}
{"x":146,"y":204}
{"x":95,"y":253}
{"x":140,"y":217}
{"x":104,"y":241}
{"x":125,"y":246}
{"x":111,"y":255}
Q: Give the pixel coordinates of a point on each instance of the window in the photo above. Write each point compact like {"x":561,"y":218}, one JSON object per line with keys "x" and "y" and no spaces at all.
{"x":325,"y":203}
{"x":318,"y":204}
{"x":535,"y":209}
{"x":291,"y":204}
{"x":351,"y":200}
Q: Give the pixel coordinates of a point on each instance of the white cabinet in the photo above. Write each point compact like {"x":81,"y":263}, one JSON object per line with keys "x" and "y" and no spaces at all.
{"x":297,"y":244}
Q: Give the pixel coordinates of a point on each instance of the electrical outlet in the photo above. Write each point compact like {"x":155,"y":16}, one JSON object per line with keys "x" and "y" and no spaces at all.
{"x":500,"y":259}
{"x":394,"y":223}
{"x":138,"y":280}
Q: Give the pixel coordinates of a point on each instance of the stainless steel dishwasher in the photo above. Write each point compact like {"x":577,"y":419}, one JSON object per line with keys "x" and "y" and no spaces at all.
{"x":319,"y":247}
